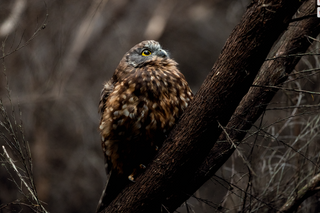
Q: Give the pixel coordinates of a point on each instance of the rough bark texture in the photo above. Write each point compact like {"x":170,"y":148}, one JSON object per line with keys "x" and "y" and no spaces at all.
{"x":194,"y":136}
{"x":272,"y":73}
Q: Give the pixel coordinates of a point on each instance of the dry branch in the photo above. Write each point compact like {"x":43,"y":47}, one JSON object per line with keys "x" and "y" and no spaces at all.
{"x":12,"y":134}
{"x":36,"y":32}
{"x":308,"y":190}
{"x":34,"y":196}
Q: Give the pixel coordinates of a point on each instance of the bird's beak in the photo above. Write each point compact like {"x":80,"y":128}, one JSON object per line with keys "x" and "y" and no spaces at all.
{"x":162,"y":53}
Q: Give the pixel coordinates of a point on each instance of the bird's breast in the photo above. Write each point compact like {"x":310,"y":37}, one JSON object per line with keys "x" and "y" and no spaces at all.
{"x":142,"y":109}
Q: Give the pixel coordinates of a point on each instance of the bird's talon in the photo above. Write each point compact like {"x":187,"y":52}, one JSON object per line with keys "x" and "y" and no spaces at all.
{"x":131,"y":178}
{"x":142,"y":166}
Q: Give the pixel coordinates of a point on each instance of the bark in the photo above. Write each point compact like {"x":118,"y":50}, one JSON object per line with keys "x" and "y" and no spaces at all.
{"x":272,"y":73}
{"x":192,"y":139}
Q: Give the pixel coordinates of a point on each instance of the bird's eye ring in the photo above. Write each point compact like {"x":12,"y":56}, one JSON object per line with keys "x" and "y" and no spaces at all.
{"x":145,"y":53}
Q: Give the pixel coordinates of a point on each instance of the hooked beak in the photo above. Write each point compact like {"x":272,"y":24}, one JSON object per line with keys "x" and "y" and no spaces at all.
{"x":162,"y":53}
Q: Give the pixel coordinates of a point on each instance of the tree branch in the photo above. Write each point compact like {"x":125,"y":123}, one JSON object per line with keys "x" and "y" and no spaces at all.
{"x":254,"y":103}
{"x":307,"y":191}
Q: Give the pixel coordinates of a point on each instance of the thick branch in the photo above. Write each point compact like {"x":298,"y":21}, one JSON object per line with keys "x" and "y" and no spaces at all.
{"x":294,"y":40}
{"x":194,"y":136}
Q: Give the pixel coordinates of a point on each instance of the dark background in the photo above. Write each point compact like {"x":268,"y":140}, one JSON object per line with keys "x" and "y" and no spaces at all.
{"x":56,"y":79}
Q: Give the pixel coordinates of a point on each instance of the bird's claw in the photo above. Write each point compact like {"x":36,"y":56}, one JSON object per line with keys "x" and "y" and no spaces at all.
{"x":131,"y":178}
{"x":142,"y":166}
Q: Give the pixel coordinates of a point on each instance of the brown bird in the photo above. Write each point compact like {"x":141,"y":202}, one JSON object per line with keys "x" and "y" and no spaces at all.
{"x":139,"y":106}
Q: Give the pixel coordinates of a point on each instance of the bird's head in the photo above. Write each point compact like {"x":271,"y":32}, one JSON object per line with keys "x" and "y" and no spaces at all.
{"x":145,"y":52}
{"x":145,"y":56}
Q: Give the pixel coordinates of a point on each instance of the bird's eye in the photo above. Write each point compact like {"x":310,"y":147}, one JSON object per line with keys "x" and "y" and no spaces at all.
{"x":145,"y":53}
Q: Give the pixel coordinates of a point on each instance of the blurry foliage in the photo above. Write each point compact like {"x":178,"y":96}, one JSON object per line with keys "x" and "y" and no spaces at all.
{"x":56,"y":80}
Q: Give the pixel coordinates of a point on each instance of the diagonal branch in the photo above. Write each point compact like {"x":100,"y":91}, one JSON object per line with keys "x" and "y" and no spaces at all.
{"x":254,"y":103}
{"x":308,"y":190}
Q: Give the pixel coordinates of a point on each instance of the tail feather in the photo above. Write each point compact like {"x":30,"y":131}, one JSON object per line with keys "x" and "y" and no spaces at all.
{"x":115,"y":184}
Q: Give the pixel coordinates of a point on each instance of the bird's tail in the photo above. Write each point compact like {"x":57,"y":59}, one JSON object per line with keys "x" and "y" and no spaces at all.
{"x":113,"y":187}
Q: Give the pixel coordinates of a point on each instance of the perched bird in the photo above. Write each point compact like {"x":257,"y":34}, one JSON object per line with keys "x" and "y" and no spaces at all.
{"x":139,"y":106}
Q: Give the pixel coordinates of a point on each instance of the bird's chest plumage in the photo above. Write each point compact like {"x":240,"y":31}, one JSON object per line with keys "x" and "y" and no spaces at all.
{"x":140,"y":112}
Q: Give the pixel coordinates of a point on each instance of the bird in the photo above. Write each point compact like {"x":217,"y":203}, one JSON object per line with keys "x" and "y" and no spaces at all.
{"x":139,"y":106}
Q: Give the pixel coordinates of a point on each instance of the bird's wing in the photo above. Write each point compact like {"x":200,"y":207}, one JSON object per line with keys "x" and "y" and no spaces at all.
{"x":105,"y":92}
{"x":115,"y":182}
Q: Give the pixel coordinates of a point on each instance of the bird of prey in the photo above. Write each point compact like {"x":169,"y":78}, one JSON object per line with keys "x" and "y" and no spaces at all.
{"x":139,"y":106}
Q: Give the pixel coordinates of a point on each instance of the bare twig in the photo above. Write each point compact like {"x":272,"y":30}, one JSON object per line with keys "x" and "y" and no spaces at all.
{"x":43,"y":26}
{"x":306,"y":191}
{"x":13,"y":136}
{"x":235,"y":146}
{"x":293,"y":55}
{"x":22,"y":179}
{"x":288,"y":89}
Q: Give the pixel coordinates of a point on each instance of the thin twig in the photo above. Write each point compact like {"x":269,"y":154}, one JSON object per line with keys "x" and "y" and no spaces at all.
{"x":235,"y":146}
{"x":308,"y":190}
{"x":288,"y":89}
{"x":22,"y":179}
{"x":43,"y":26}
{"x":292,"y":55}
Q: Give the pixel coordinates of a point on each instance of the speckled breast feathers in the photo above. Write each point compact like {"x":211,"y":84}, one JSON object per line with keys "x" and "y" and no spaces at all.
{"x":140,"y":105}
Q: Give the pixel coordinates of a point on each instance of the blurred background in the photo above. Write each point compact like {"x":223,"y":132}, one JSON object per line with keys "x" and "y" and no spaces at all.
{"x":57,"y":77}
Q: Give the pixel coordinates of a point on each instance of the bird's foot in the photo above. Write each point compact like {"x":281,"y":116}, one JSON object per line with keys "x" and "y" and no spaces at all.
{"x":142,"y":166}
{"x":135,"y":172}
{"x":131,"y":178}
